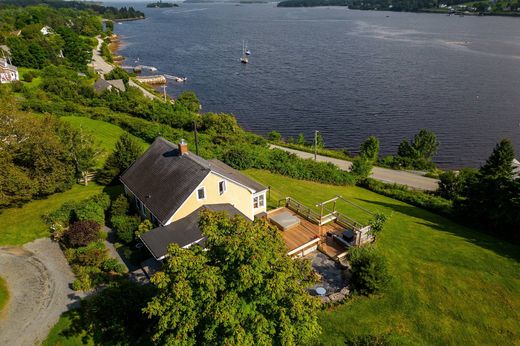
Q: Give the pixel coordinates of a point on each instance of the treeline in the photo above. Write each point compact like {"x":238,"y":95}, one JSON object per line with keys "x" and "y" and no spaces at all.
{"x":398,"y":5}
{"x":108,"y":12}
{"x":39,"y":156}
{"x":387,"y":5}
{"x":312,"y":3}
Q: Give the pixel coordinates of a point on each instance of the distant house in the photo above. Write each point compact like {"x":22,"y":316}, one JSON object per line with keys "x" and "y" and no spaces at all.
{"x":102,"y":85}
{"x":8,"y":72}
{"x":171,"y":185}
{"x":516,"y":168}
{"x":46,"y":30}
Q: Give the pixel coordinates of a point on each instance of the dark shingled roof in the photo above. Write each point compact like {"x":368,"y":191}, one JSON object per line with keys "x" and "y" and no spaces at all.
{"x":162,"y":179}
{"x":182,"y":232}
{"x":232,"y":174}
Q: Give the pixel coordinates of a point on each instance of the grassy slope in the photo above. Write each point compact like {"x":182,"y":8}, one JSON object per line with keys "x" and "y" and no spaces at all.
{"x":107,"y":134}
{"x":451,"y":285}
{"x":22,"y":225}
{"x":4,"y":294}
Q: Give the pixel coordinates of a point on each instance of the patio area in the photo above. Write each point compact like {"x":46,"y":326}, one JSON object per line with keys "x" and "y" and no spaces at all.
{"x":305,"y":230}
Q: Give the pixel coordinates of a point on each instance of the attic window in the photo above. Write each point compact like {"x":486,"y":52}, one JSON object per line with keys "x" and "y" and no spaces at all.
{"x":222,"y":187}
{"x":201,"y":193}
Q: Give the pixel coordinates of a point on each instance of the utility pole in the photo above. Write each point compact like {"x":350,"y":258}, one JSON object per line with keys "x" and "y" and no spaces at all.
{"x":196,"y":137}
{"x":315,"y":144}
{"x":164,"y":92}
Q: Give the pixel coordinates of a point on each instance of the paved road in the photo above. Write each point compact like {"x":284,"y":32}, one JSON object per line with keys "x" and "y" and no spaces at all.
{"x":101,"y":65}
{"x":386,"y":175}
{"x":38,"y":278}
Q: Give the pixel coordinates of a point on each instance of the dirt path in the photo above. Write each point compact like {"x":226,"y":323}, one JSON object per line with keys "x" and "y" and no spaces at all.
{"x":415,"y":181}
{"x":39,"y":279}
{"x":102,"y":66}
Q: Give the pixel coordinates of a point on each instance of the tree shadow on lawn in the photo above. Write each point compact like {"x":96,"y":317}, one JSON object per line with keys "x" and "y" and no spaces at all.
{"x":440,"y":223}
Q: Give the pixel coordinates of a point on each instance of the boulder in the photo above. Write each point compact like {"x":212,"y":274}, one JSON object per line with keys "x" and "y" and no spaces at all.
{"x":325,"y":300}
{"x":336,"y":297}
{"x":345,"y":291}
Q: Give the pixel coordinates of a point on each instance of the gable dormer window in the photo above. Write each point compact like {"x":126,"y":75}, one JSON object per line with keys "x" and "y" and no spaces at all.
{"x":201,"y":193}
{"x":222,"y":187}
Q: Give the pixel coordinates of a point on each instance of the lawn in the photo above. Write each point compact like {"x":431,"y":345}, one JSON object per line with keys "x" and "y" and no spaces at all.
{"x":105,"y":133}
{"x":58,"y":336}
{"x":4,"y":295}
{"x":25,"y":224}
{"x":451,"y":285}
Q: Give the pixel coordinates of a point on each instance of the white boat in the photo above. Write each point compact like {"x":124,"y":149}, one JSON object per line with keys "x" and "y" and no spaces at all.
{"x":244,"y":59}
{"x":181,"y":79}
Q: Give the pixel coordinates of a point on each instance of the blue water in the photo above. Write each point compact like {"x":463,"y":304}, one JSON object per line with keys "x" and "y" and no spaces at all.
{"x":348,"y":74}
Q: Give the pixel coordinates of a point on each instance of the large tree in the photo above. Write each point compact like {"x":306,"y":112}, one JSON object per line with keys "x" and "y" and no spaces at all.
{"x":126,"y":151}
{"x":83,"y":149}
{"x":242,"y":290}
{"x":491,"y":199}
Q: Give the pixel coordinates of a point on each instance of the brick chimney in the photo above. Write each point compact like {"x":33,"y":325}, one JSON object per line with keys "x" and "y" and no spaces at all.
{"x":183,"y":147}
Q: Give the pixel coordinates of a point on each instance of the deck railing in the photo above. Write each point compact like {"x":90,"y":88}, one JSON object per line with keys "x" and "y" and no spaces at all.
{"x":302,"y":209}
{"x":315,"y":217}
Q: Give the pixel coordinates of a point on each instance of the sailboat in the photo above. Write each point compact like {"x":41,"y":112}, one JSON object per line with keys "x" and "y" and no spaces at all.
{"x":244,"y":59}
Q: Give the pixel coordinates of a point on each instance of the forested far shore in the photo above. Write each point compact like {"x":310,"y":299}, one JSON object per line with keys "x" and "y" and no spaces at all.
{"x":107,"y":12}
{"x":501,"y":8}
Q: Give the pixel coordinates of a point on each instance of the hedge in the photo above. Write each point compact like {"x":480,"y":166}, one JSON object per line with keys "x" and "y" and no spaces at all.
{"x":417,"y":198}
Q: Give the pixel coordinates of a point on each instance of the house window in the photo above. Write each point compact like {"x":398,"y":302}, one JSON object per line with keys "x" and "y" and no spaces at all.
{"x":201,"y":193}
{"x":222,"y":187}
{"x":258,"y":201}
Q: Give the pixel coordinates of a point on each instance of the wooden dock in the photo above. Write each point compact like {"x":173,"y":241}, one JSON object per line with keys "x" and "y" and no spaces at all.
{"x":154,"y":80}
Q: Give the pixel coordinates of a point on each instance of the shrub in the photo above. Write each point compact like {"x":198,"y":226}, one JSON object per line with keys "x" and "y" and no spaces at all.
{"x":125,"y":227}
{"x":81,"y":233}
{"x":378,"y":222}
{"x":240,"y":157}
{"x":62,"y":215}
{"x":120,"y":206}
{"x":274,"y":136}
{"x":28,"y":76}
{"x":144,"y":227}
{"x":420,"y":199}
{"x":92,"y":255}
{"x":102,"y":199}
{"x":82,"y":283}
{"x":90,"y":211}
{"x":112,"y":265}
{"x":17,"y":86}
{"x":361,"y":167}
{"x":369,"y":270}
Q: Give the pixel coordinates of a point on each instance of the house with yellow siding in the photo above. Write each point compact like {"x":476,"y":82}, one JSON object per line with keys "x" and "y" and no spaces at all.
{"x":171,"y":185}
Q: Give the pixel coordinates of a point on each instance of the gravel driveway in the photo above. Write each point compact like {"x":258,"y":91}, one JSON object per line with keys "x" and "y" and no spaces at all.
{"x":38,"y":278}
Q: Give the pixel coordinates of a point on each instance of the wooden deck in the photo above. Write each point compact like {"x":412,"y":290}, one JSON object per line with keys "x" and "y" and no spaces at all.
{"x":308,"y":231}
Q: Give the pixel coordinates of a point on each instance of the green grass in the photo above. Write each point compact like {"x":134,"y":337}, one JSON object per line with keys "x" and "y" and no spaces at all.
{"x":106,"y":134}
{"x":25,"y":224}
{"x":4,"y":294}
{"x":60,"y":334}
{"x":451,"y":285}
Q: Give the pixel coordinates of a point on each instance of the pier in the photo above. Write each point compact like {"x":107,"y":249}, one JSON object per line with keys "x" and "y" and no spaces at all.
{"x":156,"y":79}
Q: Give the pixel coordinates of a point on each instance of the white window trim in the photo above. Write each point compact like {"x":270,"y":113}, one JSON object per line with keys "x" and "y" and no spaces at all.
{"x":197,"y":193}
{"x":224,"y":189}
{"x":258,"y":199}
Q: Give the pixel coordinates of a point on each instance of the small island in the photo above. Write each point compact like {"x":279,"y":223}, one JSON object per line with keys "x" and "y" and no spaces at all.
{"x":160,"y":4}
